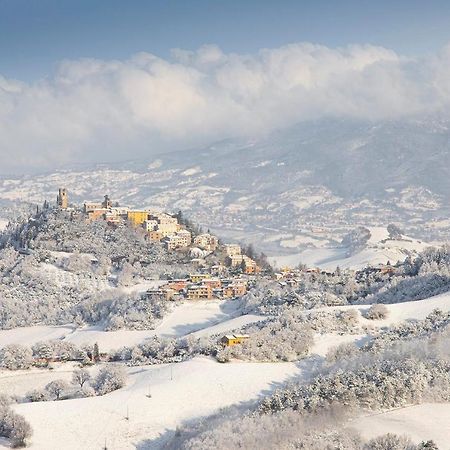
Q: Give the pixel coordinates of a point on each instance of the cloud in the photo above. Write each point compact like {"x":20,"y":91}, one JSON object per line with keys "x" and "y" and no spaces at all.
{"x":94,"y":111}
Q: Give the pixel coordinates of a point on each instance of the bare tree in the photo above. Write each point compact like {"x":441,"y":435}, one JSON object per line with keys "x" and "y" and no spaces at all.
{"x":80,"y":377}
{"x":56,"y":388}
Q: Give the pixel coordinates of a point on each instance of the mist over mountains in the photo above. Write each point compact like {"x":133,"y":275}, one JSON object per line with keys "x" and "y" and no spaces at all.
{"x":329,"y":173}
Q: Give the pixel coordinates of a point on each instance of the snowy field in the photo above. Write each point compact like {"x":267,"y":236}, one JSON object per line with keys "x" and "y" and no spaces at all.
{"x":399,"y":312}
{"x":159,"y":398}
{"x":178,"y":392}
{"x":189,"y":317}
{"x":379,"y":250}
{"x":19,"y":382}
{"x":419,"y":422}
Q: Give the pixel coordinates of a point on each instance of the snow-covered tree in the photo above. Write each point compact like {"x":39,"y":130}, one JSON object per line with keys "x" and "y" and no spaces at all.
{"x":15,"y":356}
{"x":110,"y":378}
{"x":57,"y":388}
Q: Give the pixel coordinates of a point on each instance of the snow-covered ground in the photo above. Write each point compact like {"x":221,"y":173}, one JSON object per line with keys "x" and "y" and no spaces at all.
{"x":31,"y":335}
{"x":186,"y":318}
{"x":178,"y":392}
{"x":379,"y":250}
{"x":19,"y":382}
{"x":159,"y":398}
{"x":419,"y":422}
{"x":399,"y":312}
{"x":201,"y":317}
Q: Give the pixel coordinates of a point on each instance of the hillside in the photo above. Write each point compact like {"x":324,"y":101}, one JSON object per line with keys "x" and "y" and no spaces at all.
{"x":300,"y":335}
{"x":380,"y":249}
{"x":294,"y":188}
{"x":56,"y":268}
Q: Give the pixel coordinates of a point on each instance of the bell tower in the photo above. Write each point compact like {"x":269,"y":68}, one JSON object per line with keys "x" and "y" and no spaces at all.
{"x":62,"y":200}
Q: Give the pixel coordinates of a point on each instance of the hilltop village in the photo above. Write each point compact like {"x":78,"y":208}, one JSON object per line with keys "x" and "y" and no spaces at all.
{"x":223,"y":270}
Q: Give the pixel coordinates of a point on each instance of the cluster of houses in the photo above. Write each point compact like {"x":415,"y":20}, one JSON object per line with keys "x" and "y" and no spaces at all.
{"x":200,"y":286}
{"x":164,"y":228}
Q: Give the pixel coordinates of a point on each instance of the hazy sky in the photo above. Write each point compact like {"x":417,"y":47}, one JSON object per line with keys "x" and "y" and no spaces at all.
{"x":96,"y":80}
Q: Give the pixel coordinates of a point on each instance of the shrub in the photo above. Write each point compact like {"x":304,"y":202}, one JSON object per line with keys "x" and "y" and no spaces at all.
{"x":377,"y":312}
{"x":390,"y":442}
{"x":341,"y":351}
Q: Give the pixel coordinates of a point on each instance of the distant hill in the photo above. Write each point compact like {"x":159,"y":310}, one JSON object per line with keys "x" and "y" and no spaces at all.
{"x":277,"y":189}
{"x":380,"y":249}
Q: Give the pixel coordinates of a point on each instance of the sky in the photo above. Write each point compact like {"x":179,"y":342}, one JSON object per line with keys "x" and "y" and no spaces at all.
{"x":86,"y":81}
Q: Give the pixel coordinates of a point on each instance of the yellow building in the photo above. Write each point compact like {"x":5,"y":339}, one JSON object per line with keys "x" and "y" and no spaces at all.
{"x":137,"y":218}
{"x":197,"y":277}
{"x":233,"y":339}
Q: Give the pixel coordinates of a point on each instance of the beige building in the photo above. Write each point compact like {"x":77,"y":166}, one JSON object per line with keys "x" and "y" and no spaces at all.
{"x":235,"y":260}
{"x":92,"y":206}
{"x":234,"y":290}
{"x":163,"y":223}
{"x":198,"y":292}
{"x":179,"y":239}
{"x":206,"y":241}
{"x":232,"y":249}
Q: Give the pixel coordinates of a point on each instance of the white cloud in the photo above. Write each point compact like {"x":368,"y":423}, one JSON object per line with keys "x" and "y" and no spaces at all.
{"x":93,"y":110}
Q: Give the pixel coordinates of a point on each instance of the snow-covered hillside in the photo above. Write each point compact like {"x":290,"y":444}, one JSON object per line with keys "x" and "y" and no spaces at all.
{"x":285,"y":191}
{"x":158,"y":398}
{"x":420,"y":422}
{"x":379,"y":250}
{"x":199,"y":319}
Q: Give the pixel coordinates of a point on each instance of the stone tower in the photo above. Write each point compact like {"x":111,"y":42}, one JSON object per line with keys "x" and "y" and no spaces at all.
{"x":62,"y":200}
{"x":107,"y":202}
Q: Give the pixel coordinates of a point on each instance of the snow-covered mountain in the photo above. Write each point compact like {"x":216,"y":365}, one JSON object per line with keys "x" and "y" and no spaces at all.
{"x":289,"y":190}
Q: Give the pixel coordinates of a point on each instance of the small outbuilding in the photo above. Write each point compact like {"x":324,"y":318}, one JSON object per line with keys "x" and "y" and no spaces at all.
{"x":233,"y":339}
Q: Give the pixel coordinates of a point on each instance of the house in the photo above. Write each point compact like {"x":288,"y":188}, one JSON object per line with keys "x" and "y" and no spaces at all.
{"x":248,"y":265}
{"x":234,"y":290}
{"x":112,"y":217}
{"x":137,"y":217}
{"x":150,"y":225}
{"x":215,"y":283}
{"x":179,"y":239}
{"x":199,"y":292}
{"x":233,"y":339}
{"x":97,"y":214}
{"x":206,"y":241}
{"x":155,"y":236}
{"x":162,"y":293}
{"x":163,"y":223}
{"x":197,"y":277}
{"x":177,"y":285}
{"x":234,"y":260}
{"x":171,"y":242}
{"x":232,"y":249}
{"x":91,"y":206}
